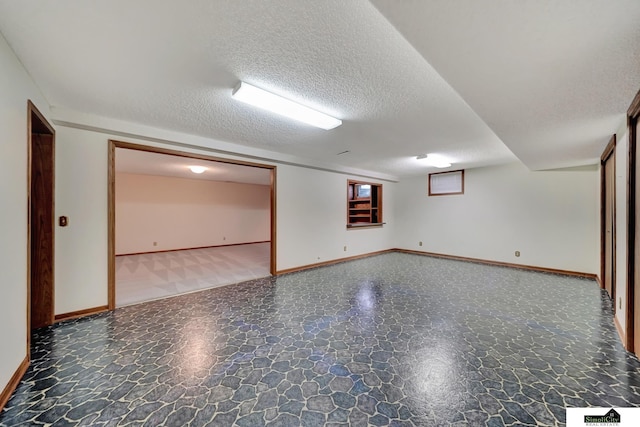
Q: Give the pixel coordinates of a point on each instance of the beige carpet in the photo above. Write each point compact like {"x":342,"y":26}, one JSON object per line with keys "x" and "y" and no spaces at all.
{"x":147,"y":277}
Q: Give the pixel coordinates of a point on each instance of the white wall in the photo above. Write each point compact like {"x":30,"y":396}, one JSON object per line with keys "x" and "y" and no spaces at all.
{"x":180,"y":213}
{"x":311,"y":217}
{"x":551,"y":217}
{"x":81,"y":247}
{"x":622,"y":156}
{"x":16,"y":87}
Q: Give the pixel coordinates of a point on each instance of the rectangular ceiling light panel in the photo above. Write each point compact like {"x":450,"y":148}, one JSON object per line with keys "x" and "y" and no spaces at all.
{"x":276,"y":104}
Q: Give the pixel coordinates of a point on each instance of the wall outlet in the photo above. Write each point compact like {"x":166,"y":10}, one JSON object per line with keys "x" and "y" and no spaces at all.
{"x":155,"y":243}
{"x":517,"y":253}
{"x":620,"y":303}
{"x":345,"y":249}
{"x":419,"y":243}
{"x":224,"y":238}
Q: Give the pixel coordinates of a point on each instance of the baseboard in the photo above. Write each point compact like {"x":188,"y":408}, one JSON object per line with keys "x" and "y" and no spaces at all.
{"x":583,"y":275}
{"x":81,"y":313}
{"x":623,"y":336}
{"x":503,"y":264}
{"x":599,"y":282}
{"x":188,"y":249}
{"x":331,"y":262}
{"x":13,"y":382}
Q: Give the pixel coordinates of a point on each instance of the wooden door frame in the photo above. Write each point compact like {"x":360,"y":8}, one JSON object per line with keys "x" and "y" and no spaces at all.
{"x":44,"y":127}
{"x":113,"y":144}
{"x":609,"y":152}
{"x":633,"y":116}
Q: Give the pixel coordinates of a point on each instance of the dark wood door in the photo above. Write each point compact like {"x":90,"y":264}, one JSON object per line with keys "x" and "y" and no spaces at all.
{"x":42,"y":229}
{"x":609,"y":225}
{"x":634,"y":315}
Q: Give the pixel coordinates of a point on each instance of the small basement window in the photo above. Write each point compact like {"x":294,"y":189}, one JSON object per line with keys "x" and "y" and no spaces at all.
{"x":364,"y":204}
{"x":445,"y":183}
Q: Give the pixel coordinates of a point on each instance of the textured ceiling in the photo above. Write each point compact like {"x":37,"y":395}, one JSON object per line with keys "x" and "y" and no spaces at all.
{"x":552,"y":78}
{"x":149,"y":163}
{"x":473,"y":81}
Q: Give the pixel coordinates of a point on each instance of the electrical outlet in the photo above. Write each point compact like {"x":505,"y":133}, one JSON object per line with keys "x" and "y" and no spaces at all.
{"x":620,"y":303}
{"x":517,"y":253}
{"x":155,"y":243}
{"x":224,"y":238}
{"x":345,"y":249}
{"x":419,"y":243}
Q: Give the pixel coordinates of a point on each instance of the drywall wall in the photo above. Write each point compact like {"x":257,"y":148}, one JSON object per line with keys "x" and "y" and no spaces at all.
{"x":81,"y":247}
{"x":179,"y":213}
{"x":16,"y":87}
{"x":622,"y":173}
{"x":551,"y":217}
{"x":311,"y":216}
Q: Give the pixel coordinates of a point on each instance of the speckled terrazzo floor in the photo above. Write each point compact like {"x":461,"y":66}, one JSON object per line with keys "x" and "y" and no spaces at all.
{"x":394,"y":339}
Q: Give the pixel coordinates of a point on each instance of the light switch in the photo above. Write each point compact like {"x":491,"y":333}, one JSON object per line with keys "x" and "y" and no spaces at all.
{"x":63,"y":221}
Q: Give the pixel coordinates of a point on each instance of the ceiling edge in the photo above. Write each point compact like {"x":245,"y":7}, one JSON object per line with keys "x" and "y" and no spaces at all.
{"x":118,"y":128}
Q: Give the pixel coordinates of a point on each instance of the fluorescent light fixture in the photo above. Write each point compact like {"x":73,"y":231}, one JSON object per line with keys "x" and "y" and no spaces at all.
{"x":434,"y":160}
{"x":276,"y":104}
{"x":197,"y":169}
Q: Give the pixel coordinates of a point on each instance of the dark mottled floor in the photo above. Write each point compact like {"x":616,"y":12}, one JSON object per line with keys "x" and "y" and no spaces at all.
{"x":394,"y":339}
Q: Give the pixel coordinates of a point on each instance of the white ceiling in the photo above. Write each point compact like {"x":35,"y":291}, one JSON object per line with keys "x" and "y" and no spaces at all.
{"x":552,"y":78}
{"x":474,"y":81}
{"x":149,"y":163}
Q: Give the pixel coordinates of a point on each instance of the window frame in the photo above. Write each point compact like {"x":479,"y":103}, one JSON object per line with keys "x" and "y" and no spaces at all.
{"x":431,"y":191}
{"x":358,"y":206}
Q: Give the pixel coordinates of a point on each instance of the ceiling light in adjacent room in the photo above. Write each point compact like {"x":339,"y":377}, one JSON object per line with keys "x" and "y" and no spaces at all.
{"x":434,"y":160}
{"x":197,"y":169}
{"x":276,"y":104}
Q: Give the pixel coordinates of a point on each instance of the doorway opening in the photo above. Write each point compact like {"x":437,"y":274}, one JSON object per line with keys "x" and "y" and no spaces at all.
{"x":172,"y":230}
{"x":40,"y":257}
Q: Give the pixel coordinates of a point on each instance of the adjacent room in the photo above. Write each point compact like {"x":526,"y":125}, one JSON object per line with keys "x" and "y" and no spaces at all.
{"x":185,"y":224}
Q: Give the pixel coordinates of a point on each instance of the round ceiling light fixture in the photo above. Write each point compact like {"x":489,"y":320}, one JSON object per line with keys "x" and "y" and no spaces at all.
{"x":197,"y":169}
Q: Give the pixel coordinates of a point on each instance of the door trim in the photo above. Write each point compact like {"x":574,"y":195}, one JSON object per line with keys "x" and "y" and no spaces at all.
{"x":40,"y":126}
{"x":608,"y":152}
{"x":111,"y":191}
{"x":633,"y":116}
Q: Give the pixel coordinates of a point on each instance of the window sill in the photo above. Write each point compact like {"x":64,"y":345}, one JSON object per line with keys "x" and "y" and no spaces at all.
{"x":366,"y":225}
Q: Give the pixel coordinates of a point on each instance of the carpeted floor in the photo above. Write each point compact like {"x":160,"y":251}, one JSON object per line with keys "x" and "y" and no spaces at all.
{"x":151,"y":276}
